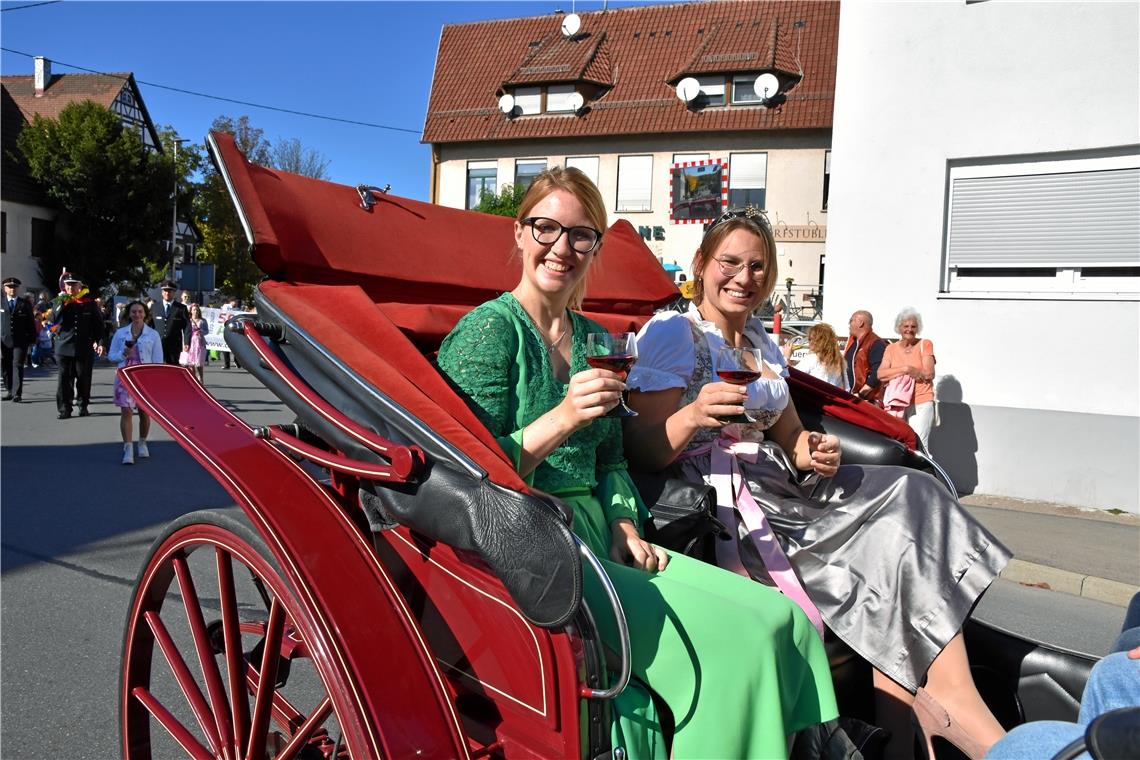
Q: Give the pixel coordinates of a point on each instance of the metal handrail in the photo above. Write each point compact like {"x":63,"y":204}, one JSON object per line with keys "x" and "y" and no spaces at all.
{"x":622,"y":625}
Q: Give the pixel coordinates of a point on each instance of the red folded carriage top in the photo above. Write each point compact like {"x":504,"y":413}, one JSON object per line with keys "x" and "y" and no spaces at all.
{"x":409,"y":252}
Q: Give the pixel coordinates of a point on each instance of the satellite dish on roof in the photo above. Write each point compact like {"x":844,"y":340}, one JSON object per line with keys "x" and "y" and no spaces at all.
{"x":571,"y":24}
{"x":507,"y":104}
{"x":688,"y":89}
{"x":766,"y":86}
{"x":575,"y":101}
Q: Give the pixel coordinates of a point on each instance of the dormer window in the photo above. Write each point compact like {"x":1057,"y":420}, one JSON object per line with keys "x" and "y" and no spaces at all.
{"x":528,"y":100}
{"x":743,"y":90}
{"x":559,"y":98}
{"x":533,"y":101}
{"x":712,"y":90}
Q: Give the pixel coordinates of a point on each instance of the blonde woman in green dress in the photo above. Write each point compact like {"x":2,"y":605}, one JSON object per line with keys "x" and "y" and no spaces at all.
{"x":739,"y":666}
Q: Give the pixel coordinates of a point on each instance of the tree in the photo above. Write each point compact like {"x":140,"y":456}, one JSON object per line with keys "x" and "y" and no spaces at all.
{"x":291,"y":156}
{"x":114,"y":194}
{"x":506,"y":203}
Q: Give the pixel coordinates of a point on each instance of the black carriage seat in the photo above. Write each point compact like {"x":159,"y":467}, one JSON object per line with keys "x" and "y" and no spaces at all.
{"x":468,"y":496}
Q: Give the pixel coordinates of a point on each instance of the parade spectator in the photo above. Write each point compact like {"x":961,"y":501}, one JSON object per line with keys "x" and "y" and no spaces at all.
{"x":134,"y":343}
{"x":185,"y":298}
{"x":43,"y":302}
{"x":229,"y":308}
{"x":44,"y":349}
{"x":863,"y":355}
{"x":196,"y":353}
{"x":17,"y":335}
{"x":818,"y":531}
{"x":738,"y":665}
{"x":107,"y":309}
{"x":913,"y":358}
{"x":823,"y":360}
{"x":171,"y":320}
{"x":78,"y":329}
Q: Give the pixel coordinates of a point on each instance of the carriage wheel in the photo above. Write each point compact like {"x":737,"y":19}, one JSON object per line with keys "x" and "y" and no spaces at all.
{"x":216,"y":658}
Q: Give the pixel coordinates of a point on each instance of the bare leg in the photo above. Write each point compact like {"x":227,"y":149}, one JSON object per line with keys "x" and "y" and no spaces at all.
{"x":200,"y":370}
{"x":144,"y":425}
{"x":125,"y":427}
{"x":892,"y":712}
{"x":949,"y":681}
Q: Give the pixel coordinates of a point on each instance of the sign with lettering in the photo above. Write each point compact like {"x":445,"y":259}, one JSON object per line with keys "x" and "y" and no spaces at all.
{"x":800,"y":233}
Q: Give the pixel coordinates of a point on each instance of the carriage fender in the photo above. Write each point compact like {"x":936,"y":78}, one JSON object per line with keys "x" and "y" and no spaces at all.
{"x":367,"y":636}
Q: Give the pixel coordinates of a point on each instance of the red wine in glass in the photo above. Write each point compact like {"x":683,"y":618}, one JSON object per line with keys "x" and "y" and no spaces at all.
{"x":738,"y":366}
{"x":738,"y":376}
{"x":615,"y":352}
{"x":619,"y":363}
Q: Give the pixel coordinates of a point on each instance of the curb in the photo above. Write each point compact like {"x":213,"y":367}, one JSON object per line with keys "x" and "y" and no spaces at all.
{"x":1068,"y":582}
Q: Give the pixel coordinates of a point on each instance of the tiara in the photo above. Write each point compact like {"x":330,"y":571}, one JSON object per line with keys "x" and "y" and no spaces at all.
{"x":747,"y":212}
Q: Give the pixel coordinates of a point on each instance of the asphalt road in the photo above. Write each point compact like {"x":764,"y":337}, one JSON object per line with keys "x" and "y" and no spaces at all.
{"x":76,"y":526}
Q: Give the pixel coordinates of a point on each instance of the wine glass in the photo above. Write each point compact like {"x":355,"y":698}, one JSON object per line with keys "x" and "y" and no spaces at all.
{"x":739,"y":366}
{"x":616,"y":352}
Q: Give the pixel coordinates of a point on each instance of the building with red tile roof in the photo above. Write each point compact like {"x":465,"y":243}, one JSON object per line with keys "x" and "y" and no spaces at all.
{"x":603,"y":91}
{"x":27,"y":213}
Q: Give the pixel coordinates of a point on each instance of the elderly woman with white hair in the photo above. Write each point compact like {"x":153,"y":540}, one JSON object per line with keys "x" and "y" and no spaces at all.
{"x":915,"y":358}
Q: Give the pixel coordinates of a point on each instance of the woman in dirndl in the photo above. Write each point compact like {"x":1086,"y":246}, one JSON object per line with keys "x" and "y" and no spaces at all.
{"x":196,"y":353}
{"x":884,"y":556}
{"x":134,"y":343}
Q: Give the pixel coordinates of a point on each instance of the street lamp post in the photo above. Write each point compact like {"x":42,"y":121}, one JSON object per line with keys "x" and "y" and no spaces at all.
{"x":174,"y":223}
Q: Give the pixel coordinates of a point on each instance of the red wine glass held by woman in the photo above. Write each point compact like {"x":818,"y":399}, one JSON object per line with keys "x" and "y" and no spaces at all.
{"x":615,"y":352}
{"x":738,"y":366}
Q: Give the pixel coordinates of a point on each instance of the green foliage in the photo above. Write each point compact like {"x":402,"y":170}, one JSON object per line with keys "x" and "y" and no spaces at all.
{"x":506,"y":203}
{"x":114,"y":193}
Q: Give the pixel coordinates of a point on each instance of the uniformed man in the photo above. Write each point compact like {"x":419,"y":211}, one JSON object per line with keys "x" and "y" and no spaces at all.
{"x":17,"y":334}
{"x":79,"y":328}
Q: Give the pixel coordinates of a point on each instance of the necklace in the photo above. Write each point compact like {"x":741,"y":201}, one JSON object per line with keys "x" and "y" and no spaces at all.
{"x":554,"y":343}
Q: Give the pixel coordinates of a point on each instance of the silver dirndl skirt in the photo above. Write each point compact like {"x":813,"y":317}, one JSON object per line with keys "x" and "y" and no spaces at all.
{"x":891,"y":560}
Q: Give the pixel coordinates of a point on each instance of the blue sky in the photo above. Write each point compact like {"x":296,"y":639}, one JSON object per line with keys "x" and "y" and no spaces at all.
{"x":364,"y":61}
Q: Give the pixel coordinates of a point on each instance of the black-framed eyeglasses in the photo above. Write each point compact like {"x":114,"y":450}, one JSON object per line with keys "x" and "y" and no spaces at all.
{"x":731,"y":268}
{"x":547,"y":231}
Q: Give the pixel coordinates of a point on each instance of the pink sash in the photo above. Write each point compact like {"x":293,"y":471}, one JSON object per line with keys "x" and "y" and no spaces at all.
{"x":724,"y":453}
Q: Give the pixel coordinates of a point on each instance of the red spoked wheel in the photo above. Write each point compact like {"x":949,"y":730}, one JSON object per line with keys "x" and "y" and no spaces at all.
{"x":217,"y":657}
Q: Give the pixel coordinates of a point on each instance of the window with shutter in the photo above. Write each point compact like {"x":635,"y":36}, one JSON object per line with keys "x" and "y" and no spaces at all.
{"x":635,"y":182}
{"x":588,"y":165}
{"x":747,"y":176}
{"x":1044,"y":226}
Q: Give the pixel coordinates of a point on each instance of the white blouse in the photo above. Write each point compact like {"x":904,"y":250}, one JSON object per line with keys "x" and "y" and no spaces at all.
{"x":811,"y":365}
{"x":666,"y":357}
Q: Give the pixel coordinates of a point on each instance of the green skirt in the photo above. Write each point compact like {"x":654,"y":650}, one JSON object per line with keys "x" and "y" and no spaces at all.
{"x":739,"y":665}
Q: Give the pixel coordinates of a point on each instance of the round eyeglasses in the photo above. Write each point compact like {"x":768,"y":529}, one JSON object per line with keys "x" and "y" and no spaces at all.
{"x":732,"y":267}
{"x":547,"y":231}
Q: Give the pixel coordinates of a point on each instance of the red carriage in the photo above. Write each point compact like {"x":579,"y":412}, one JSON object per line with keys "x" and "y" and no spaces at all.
{"x":389,"y":586}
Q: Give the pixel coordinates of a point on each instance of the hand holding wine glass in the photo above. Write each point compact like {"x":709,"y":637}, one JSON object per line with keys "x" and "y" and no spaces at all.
{"x":739,"y":366}
{"x":615,"y":352}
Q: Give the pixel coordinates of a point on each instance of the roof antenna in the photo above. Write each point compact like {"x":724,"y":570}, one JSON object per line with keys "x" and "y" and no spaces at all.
{"x":799,"y":27}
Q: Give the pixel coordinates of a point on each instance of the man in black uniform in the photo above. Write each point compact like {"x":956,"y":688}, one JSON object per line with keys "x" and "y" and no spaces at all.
{"x":172,"y":321}
{"x":76,"y":344}
{"x":18,"y":333}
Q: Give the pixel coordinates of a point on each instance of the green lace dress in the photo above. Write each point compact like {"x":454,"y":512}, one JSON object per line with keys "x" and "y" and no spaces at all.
{"x":739,"y":665}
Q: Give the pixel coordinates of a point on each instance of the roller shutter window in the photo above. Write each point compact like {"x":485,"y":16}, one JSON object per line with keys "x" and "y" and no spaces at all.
{"x":588,"y":165}
{"x":688,"y":158}
{"x":527,"y":169}
{"x":1060,"y":225}
{"x":712,"y":90}
{"x":528,"y":100}
{"x":635,"y":182}
{"x":558,"y":98}
{"x":747,"y":175}
{"x":744,"y":89}
{"x":481,"y":175}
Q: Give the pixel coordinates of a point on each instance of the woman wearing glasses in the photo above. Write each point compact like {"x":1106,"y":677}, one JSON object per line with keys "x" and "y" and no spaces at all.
{"x":738,"y":665}
{"x":882,"y":555}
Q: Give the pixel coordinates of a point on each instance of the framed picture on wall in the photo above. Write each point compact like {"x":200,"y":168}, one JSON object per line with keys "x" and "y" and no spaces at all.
{"x":698,"y":191}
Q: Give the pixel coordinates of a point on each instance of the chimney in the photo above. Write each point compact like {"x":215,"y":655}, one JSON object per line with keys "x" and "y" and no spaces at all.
{"x":43,"y":75}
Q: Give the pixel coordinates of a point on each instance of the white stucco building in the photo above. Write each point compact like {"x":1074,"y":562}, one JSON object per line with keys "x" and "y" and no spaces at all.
{"x":985,"y":170}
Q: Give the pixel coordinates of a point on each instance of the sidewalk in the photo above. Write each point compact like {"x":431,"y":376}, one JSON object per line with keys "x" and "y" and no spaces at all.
{"x":1087,"y":553}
